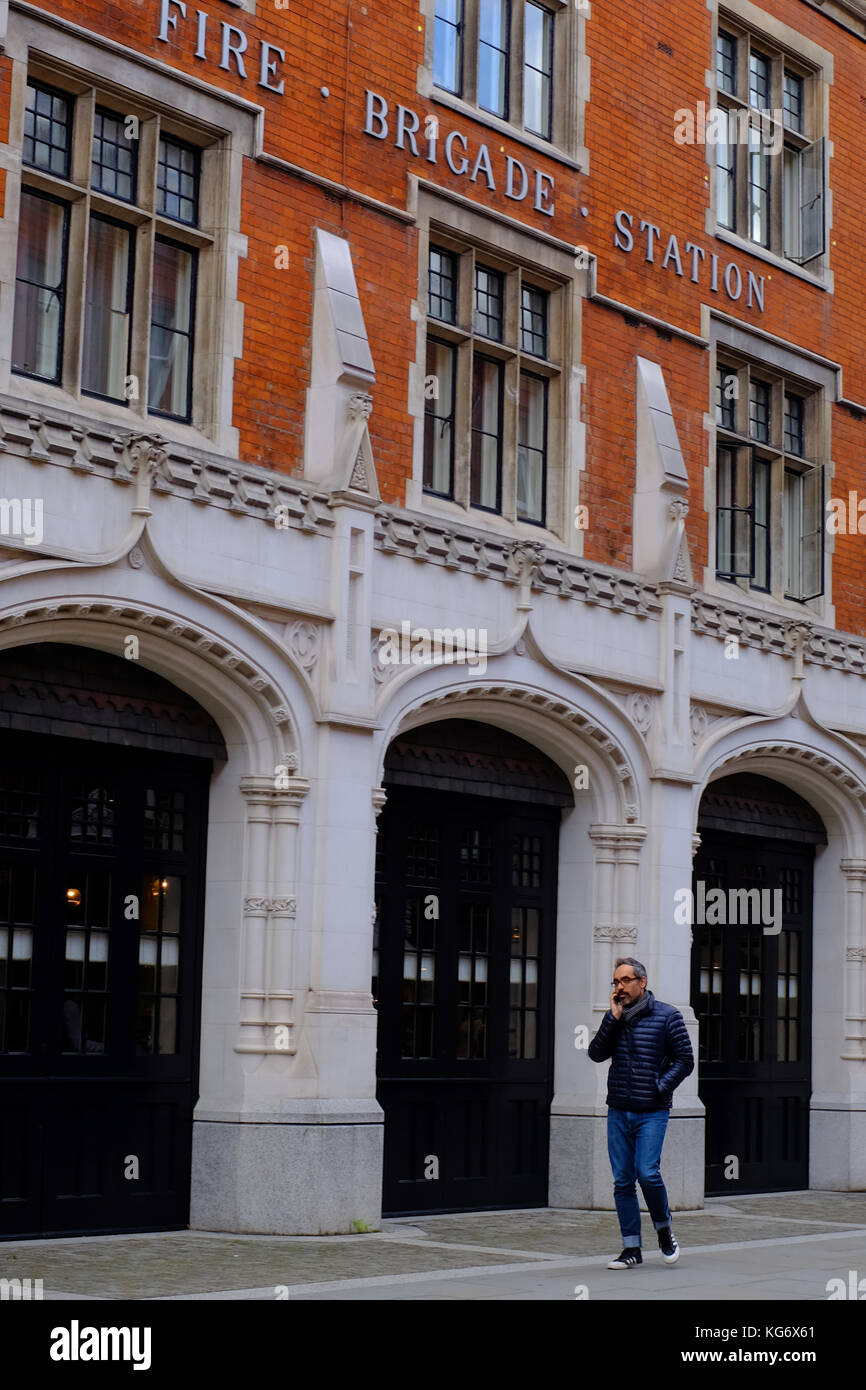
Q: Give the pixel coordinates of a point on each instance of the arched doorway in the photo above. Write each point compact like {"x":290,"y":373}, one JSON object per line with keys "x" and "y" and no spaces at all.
{"x":103,"y":815}
{"x":752,"y":981}
{"x":464,"y":967}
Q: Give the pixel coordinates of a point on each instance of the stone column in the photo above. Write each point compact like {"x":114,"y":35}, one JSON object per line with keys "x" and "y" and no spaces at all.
{"x":258,"y":794}
{"x":855,"y":959}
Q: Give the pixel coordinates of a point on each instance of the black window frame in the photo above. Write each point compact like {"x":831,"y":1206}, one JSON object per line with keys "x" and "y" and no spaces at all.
{"x":545,"y":381}
{"x":451,"y":418}
{"x":36,"y":85}
{"x":101,"y":112}
{"x":453,"y":259}
{"x":721,"y":61}
{"x":195,"y":151}
{"x":500,"y":371}
{"x":192,"y":251}
{"x":495,"y":290}
{"x":551,"y":55}
{"x":531,"y":332}
{"x":460,"y":32}
{"x":130,"y":286}
{"x":502,"y":115}
{"x":61,"y":293}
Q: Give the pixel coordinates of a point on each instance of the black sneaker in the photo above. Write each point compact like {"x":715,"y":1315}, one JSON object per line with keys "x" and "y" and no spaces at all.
{"x":629,"y":1259}
{"x":668,"y":1245}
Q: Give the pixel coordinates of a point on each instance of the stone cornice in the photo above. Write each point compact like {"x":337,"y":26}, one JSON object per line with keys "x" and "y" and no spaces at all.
{"x":770,"y":632}
{"x":86,"y":445}
{"x":47,"y":435}
{"x":517,"y":562}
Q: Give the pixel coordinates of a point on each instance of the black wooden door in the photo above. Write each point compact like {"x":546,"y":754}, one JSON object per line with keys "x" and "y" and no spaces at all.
{"x":751,"y":992}
{"x":463,"y":981}
{"x":101,"y":865}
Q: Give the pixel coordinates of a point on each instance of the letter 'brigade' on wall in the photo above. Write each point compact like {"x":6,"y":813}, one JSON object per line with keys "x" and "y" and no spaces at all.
{"x":514,"y":179}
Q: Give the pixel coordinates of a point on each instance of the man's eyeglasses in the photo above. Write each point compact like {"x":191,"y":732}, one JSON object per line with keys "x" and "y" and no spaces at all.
{"x":624,"y":981}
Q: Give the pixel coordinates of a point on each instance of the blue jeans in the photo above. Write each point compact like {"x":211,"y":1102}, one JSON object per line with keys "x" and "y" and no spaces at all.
{"x":634,"y":1144}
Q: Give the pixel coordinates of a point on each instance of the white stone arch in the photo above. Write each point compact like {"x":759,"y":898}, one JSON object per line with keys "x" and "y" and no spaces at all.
{"x":566,"y":728}
{"x":264,"y":709}
{"x":599,"y":903}
{"x":207,"y":659}
{"x":829,"y":772}
{"x":824,"y":771}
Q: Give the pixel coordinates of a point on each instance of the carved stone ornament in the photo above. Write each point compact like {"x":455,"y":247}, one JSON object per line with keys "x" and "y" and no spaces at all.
{"x":359,"y":473}
{"x":286,"y":906}
{"x":678,"y":508}
{"x":304,"y":642}
{"x":147,"y":454}
{"x":698,"y":720}
{"x":360,"y":406}
{"x":639,"y":707}
{"x":614,"y":933}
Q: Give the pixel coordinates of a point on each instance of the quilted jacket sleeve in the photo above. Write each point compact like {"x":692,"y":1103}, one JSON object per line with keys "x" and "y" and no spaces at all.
{"x":604,"y":1041}
{"x":679,"y":1050}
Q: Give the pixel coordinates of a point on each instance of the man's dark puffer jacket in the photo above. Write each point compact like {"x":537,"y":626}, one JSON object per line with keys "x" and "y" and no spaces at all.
{"x":651,"y":1056}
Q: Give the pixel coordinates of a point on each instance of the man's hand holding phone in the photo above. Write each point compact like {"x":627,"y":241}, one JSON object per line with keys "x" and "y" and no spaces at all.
{"x":616,"y":1005}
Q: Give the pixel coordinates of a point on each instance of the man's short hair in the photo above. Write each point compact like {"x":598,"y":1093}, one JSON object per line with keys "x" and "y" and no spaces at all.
{"x":639,"y":970}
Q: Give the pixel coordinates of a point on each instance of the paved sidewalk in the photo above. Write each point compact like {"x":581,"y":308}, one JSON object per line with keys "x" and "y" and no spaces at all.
{"x":779,"y":1246}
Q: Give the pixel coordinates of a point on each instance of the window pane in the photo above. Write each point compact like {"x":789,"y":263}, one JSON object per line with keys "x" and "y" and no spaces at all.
{"x":113,"y":157}
{"x":791,"y":201}
{"x":792,"y":101}
{"x":733,"y":514}
{"x":486,"y":433}
{"x":493,"y":56}
{"x":177,"y":180}
{"x":759,"y":81}
{"x":533,"y":321}
{"x":792,"y":520}
{"x":531,"y":448}
{"x":39,"y":288}
{"x":106,"y":322}
{"x":759,"y":410}
{"x":439,"y":418}
{"x":759,"y":188}
{"x":47,"y":130}
{"x":795,"y":417}
{"x":726,"y":173}
{"x":442,"y":285}
{"x":448,"y":45}
{"x":726,"y":62}
{"x":726,"y":398}
{"x":761,"y":529}
{"x":488,"y":302}
{"x":171,"y":329}
{"x":537,"y":69}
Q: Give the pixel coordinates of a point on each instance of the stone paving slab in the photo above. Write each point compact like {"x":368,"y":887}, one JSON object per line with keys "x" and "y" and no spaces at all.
{"x":754,"y":1275}
{"x":145,"y":1267}
{"x":484,"y":1254}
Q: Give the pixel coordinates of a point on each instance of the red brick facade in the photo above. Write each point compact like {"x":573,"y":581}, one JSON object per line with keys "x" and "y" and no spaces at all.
{"x":644,"y":65}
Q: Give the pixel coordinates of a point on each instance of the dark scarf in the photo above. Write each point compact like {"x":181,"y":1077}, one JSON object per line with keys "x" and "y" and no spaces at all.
{"x":631,"y":1011}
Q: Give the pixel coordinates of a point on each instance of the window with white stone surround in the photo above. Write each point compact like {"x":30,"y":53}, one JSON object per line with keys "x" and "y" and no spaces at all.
{"x":766,"y":131}
{"x":497,"y":425}
{"x":513,"y":63}
{"x":770,"y":473}
{"x":119,"y":277}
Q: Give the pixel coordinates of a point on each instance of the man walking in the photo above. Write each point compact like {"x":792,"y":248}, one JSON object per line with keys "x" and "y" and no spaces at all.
{"x":651,"y":1055}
